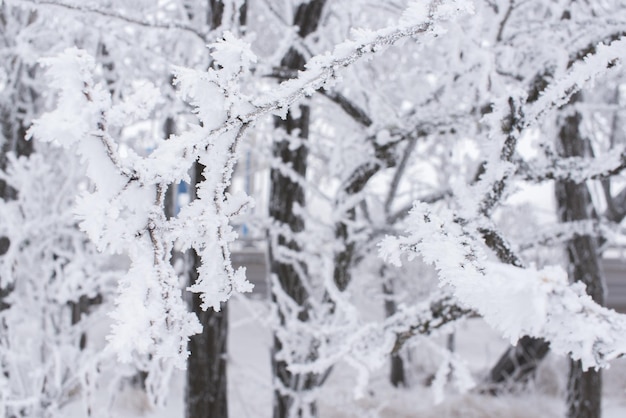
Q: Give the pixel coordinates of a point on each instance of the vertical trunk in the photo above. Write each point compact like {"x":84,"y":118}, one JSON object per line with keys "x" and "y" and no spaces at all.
{"x":584,"y":389}
{"x":285,"y":194}
{"x":171,"y":196}
{"x":396,"y":367}
{"x":206,"y":391}
{"x":206,"y":388}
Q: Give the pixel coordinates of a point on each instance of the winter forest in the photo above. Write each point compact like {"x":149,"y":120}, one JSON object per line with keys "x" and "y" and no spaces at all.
{"x":312,"y":208}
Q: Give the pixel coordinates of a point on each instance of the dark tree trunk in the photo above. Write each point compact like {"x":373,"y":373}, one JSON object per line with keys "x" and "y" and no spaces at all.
{"x":285,"y":194}
{"x":396,"y":366}
{"x":518,"y":363}
{"x":206,"y":392}
{"x":584,"y":389}
{"x":171,"y":196}
{"x":206,"y":389}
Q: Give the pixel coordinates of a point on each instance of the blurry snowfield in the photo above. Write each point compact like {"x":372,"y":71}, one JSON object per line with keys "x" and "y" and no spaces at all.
{"x":250,"y":394}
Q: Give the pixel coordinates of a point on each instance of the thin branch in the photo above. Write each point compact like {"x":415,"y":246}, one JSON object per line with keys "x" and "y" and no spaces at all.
{"x":275,"y":13}
{"x":498,"y":244}
{"x":440,"y":312}
{"x":203,"y":36}
{"x":397,"y":176}
{"x":358,"y":114}
{"x":566,"y":231}
{"x":507,"y":15}
{"x":403,"y":212}
{"x":575,"y":169}
{"x":322,"y":71}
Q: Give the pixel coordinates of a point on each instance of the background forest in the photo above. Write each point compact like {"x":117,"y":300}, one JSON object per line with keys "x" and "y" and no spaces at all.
{"x":407,"y":183}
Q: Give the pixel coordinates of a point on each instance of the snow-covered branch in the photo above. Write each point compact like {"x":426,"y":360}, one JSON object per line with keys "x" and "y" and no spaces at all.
{"x":323,"y":70}
{"x":509,"y":120}
{"x":576,"y":169}
{"x":113,"y":14}
{"x":116,"y":217}
{"x":566,"y":231}
{"x":513,"y":300}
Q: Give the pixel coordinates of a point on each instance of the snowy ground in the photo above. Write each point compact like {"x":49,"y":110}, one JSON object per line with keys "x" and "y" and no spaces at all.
{"x":250,"y":394}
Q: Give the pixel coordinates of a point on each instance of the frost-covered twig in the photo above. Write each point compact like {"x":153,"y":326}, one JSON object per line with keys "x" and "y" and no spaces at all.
{"x":566,"y":231}
{"x":109,"y":13}
{"x":425,"y":319}
{"x":322,"y":71}
{"x":576,"y":169}
{"x":514,"y":301}
{"x":509,"y":120}
{"x":366,"y":347}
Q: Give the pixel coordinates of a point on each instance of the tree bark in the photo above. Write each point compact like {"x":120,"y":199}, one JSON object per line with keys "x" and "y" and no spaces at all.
{"x":396,"y":365}
{"x":584,"y":388}
{"x":206,"y":391}
{"x":207,"y":385}
{"x":285,"y":195}
{"x":518,"y":363}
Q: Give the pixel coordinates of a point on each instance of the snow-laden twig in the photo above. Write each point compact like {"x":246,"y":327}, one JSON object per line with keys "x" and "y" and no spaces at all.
{"x":515,"y":301}
{"x":113,"y":14}
{"x":514,"y":115}
{"x":322,"y":71}
{"x":576,"y":169}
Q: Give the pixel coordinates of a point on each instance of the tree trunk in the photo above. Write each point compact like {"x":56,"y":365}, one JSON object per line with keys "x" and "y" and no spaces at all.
{"x":396,"y":366}
{"x":584,"y":389}
{"x":206,"y":391}
{"x":207,"y":385}
{"x":518,"y":363}
{"x":285,"y":194}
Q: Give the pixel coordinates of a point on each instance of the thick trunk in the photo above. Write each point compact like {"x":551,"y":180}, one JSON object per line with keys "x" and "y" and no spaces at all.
{"x":584,"y":389}
{"x":206,"y":388}
{"x":285,"y":195}
{"x":584,"y":392}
